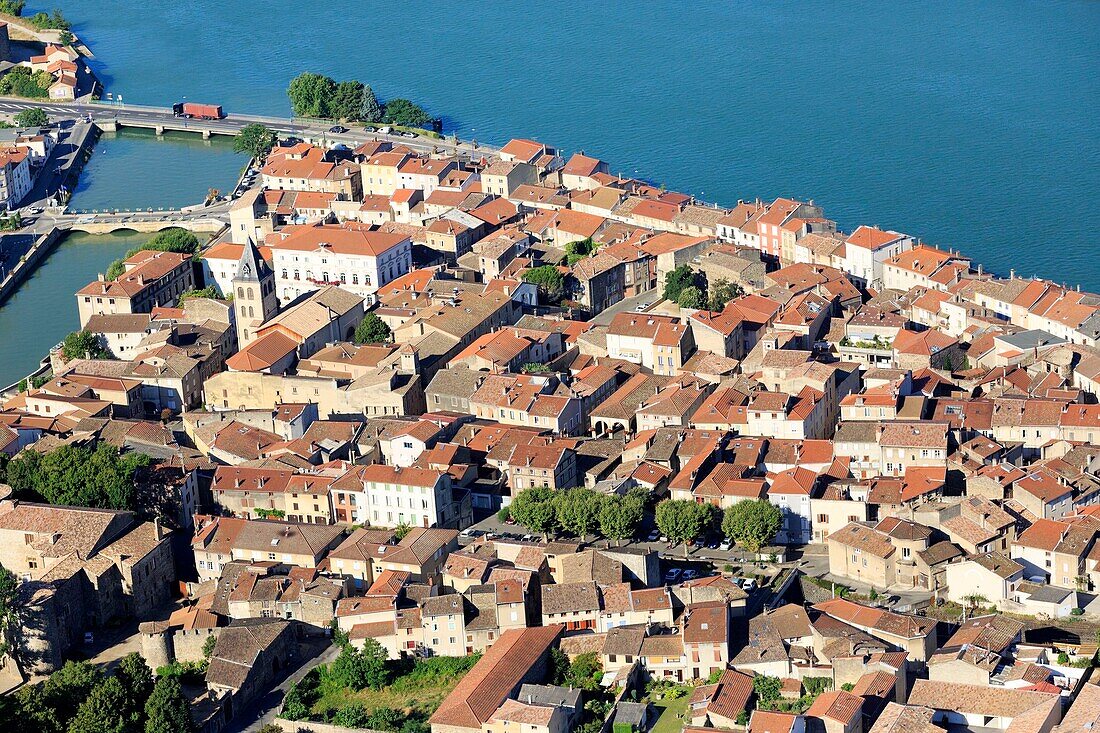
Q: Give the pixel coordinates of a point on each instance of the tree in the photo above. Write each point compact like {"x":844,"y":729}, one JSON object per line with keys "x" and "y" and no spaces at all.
{"x":359,"y":668}
{"x":582,"y":247}
{"x":534,"y":509}
{"x":352,"y":715}
{"x":558,"y":667}
{"x":578,"y":511}
{"x":99,"y":479}
{"x":347,"y":100}
{"x":549,"y":281}
{"x":254,"y":140}
{"x":209,"y":644}
{"x":166,"y":710}
{"x":210,"y":291}
{"x":12,"y":7}
{"x":973,"y":601}
{"x":752,"y":523}
{"x":104,"y":711}
{"x":371,"y":109}
{"x":620,"y":517}
{"x":294,"y":705}
{"x":401,"y":530}
{"x":70,"y":686}
{"x":20,"y":81}
{"x":585,"y":672}
{"x":766,"y":688}
{"x":272,"y":728}
{"x":32,"y":117}
{"x":311,"y":95}
{"x":682,"y":520}
{"x":339,"y":636}
{"x":678,"y":279}
{"x":9,"y":588}
{"x":137,"y":682}
{"x":84,"y":344}
{"x":691,"y":297}
{"x":385,"y":719}
{"x":404,"y":113}
{"x":722,"y":291}
{"x":372,"y":330}
{"x":66,"y":38}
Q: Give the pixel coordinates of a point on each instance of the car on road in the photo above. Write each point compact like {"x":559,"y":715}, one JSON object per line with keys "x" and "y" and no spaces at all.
{"x":690,"y":574}
{"x":672,"y":575}
{"x":338,"y":129}
{"x":642,"y":306}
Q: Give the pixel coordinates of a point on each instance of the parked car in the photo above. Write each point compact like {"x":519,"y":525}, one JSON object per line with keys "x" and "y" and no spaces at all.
{"x":371,"y":128}
{"x":654,"y":536}
{"x":690,"y":574}
{"x":409,"y":133}
{"x":89,"y":637}
{"x":672,"y":575}
{"x":338,"y":129}
{"x":714,"y":544}
{"x":642,"y":306}
{"x":747,"y":584}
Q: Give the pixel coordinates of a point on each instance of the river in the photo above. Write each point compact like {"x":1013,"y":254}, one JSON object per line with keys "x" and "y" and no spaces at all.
{"x":43,"y":310}
{"x":971,"y":125}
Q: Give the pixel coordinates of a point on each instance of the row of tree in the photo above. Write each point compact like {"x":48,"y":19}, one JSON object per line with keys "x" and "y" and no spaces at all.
{"x":580,"y":512}
{"x":751,"y":523}
{"x":317,"y":95}
{"x":79,"y":698}
{"x":690,"y":289}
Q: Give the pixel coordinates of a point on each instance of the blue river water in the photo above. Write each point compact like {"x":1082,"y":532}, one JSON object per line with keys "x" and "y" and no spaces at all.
{"x":971,"y":125}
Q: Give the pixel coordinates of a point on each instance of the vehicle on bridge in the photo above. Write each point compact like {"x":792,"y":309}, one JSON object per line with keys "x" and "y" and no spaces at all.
{"x":198,"y":111}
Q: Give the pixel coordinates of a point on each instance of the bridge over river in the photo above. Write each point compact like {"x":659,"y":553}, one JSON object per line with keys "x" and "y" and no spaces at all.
{"x":110,"y":116}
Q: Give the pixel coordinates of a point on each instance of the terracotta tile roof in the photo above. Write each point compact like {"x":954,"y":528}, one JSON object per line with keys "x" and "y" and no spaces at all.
{"x":979,"y":699}
{"x":495,"y":676}
{"x":872,"y":238}
{"x":764,"y":721}
{"x":836,"y":704}
{"x":863,"y":538}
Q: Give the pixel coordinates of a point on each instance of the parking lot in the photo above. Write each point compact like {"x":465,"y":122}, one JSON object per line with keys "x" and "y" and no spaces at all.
{"x":676,"y":565}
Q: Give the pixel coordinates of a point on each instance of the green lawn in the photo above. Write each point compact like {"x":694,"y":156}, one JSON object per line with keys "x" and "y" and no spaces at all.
{"x":417,"y":693}
{"x":672,"y":715}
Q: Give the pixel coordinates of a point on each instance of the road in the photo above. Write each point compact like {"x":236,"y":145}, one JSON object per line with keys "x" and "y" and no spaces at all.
{"x":232,"y":123}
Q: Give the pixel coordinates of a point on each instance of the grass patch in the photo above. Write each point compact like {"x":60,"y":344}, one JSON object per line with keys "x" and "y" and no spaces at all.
{"x":842,"y":591}
{"x":416,"y":691}
{"x":673,"y":713}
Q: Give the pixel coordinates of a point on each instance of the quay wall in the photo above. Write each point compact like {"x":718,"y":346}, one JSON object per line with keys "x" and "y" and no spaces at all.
{"x":38,"y":251}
